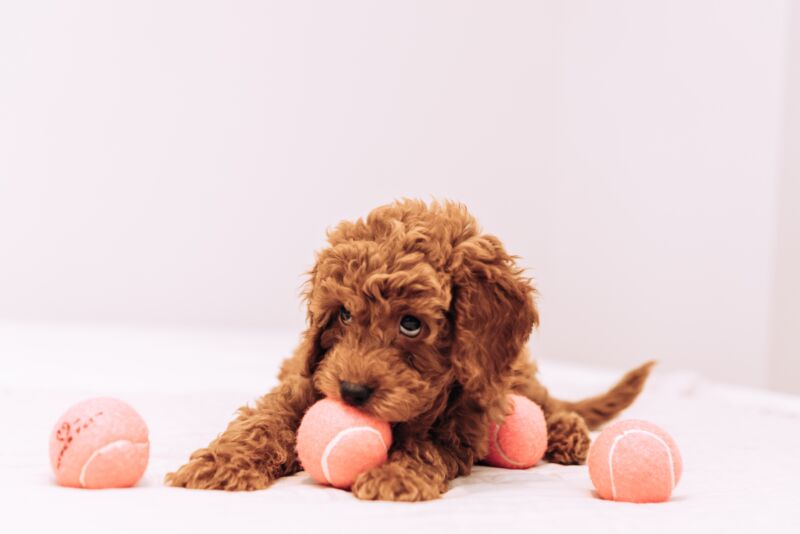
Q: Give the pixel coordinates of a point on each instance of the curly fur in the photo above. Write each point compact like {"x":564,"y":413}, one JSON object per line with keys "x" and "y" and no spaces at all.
{"x":440,"y":389}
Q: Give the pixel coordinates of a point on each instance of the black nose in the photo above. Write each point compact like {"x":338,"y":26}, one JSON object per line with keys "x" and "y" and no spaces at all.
{"x":354,"y":394}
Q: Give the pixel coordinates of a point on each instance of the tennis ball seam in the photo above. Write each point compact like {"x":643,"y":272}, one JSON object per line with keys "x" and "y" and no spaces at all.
{"x":335,"y":441}
{"x":105,"y":448}
{"x":499,"y":449}
{"x":658,"y":438}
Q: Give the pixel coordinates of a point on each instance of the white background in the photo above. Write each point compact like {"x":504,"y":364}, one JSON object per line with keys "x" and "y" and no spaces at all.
{"x":178,"y":162}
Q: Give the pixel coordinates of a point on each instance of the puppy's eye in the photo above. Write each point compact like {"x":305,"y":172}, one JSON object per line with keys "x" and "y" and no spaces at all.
{"x":410,"y":326}
{"x":345,"y":316}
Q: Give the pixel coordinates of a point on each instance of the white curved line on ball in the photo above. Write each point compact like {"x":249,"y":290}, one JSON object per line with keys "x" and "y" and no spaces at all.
{"x":335,"y":441}
{"x":500,"y":451}
{"x":647,"y":433}
{"x":101,"y":450}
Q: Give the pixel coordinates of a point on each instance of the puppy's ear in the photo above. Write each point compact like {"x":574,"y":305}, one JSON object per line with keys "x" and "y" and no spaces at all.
{"x":313,"y":345}
{"x":493,"y":312}
{"x":308,"y":353}
{"x":314,"y":342}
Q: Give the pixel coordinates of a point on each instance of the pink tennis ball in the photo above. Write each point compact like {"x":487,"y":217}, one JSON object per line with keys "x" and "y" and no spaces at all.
{"x":336,"y":443}
{"x":99,"y":443}
{"x":521,"y":440}
{"x":634,"y":461}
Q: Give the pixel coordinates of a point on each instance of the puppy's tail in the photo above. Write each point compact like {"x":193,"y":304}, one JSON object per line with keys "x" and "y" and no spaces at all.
{"x":597,"y":410}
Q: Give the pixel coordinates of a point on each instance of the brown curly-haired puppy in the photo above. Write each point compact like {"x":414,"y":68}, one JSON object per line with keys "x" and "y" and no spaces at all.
{"x":417,"y":317}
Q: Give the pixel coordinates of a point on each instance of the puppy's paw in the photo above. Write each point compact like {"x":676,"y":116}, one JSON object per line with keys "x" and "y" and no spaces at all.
{"x":567,"y":439}
{"x":392,"y":482}
{"x":207,"y":471}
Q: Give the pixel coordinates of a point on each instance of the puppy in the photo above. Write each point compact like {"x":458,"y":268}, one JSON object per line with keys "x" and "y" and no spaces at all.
{"x":417,"y":317}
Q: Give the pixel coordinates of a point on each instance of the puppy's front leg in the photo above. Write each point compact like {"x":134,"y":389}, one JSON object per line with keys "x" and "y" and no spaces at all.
{"x":256,"y":448}
{"x":416,"y":471}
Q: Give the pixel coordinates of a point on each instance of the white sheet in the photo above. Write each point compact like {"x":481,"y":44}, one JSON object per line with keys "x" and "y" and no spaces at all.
{"x":740,"y":447}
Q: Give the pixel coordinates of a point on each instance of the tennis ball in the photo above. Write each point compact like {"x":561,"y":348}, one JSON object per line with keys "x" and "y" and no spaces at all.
{"x":336,"y":442}
{"x":520,"y":441}
{"x":634,"y":461}
{"x":99,"y":443}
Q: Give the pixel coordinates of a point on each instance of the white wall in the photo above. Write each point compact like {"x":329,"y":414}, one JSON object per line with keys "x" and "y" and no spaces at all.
{"x":178,"y":162}
{"x":785,"y":319}
{"x":668,"y":155}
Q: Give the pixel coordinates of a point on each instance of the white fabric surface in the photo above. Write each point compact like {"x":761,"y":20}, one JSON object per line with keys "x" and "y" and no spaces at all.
{"x":740,"y":447}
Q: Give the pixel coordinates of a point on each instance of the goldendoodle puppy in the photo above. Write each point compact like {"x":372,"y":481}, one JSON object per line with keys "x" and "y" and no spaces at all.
{"x":417,"y":317}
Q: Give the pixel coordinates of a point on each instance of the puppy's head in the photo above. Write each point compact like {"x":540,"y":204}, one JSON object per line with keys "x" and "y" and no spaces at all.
{"x":406,"y":304}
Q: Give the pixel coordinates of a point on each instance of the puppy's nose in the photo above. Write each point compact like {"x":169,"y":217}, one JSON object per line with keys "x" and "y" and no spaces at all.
{"x":354,"y":394}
